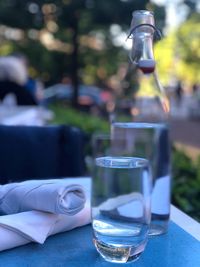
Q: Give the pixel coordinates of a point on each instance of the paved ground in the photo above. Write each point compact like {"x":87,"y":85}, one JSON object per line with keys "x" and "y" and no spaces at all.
{"x":186,"y":132}
{"x":186,"y":135}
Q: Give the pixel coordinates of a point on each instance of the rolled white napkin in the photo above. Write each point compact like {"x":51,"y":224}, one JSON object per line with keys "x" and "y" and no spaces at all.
{"x":25,"y":227}
{"x":59,"y":196}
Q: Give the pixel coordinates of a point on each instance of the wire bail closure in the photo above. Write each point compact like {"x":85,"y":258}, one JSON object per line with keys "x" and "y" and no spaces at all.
{"x":157,"y":32}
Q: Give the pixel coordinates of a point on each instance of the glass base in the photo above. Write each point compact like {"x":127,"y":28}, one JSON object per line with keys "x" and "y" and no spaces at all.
{"x":118,"y":254}
{"x":158,"y":228}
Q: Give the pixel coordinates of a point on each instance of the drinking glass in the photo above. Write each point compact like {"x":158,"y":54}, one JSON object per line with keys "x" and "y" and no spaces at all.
{"x":121,"y":189}
{"x":151,"y":141}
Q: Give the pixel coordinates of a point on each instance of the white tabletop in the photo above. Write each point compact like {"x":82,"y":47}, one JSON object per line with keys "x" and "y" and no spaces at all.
{"x":184,"y":221}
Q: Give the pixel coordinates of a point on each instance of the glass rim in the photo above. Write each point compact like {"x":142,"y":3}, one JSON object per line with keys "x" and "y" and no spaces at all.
{"x":138,"y":125}
{"x":121,"y":162}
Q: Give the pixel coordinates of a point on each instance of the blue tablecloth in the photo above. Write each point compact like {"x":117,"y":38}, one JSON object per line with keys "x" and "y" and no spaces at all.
{"x":75,"y":249}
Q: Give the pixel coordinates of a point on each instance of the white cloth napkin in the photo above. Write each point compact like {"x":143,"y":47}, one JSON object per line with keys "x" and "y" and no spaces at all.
{"x":24,"y":227}
{"x":55,"y":195}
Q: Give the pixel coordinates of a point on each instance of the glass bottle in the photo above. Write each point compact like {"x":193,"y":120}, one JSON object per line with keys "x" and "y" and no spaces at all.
{"x":146,"y":132}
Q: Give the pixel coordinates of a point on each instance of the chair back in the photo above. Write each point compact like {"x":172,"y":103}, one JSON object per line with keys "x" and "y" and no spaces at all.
{"x":39,"y":152}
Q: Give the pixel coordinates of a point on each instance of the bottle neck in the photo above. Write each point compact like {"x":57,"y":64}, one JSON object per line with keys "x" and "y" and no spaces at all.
{"x":149,"y":102}
{"x":149,"y":86}
{"x":150,"y":99}
{"x":142,"y":31}
{"x":142,"y":52}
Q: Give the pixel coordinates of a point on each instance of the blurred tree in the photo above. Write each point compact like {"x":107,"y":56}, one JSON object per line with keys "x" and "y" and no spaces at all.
{"x":182,"y":53}
{"x":85,"y":32}
{"x":188,"y":48}
{"x":192,"y":6}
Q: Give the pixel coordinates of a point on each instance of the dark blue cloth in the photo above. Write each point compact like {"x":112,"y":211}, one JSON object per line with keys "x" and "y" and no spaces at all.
{"x":23,"y":96}
{"x":31,"y":86}
{"x":32,"y":152}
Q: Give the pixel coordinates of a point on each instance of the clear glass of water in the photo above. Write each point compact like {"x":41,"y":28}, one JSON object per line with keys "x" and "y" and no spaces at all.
{"x":151,"y":141}
{"x":121,"y":214}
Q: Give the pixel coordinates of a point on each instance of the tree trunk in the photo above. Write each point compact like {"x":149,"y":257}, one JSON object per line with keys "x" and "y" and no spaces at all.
{"x":74,"y":68}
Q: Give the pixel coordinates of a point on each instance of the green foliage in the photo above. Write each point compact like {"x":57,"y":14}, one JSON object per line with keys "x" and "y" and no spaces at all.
{"x":45,"y":59}
{"x":88,"y":123}
{"x":182,"y":53}
{"x":186,"y":184}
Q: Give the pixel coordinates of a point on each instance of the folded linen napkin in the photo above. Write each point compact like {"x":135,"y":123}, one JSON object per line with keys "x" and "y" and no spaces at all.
{"x":59,"y":196}
{"x":25,"y":227}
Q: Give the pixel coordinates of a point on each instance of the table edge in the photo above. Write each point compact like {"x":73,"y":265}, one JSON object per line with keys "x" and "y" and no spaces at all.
{"x":185,"y":222}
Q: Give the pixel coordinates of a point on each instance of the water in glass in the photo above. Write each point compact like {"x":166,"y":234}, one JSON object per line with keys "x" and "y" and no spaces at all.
{"x":121,"y":207}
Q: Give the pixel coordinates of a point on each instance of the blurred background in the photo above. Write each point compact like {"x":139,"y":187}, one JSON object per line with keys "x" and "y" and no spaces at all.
{"x":73,"y":59}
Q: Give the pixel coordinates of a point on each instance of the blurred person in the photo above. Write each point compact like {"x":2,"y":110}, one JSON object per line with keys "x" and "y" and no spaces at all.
{"x":13,"y":78}
{"x":196,"y":92}
{"x":12,"y":70}
{"x":34,"y":86}
{"x":196,"y":89}
{"x":179,"y":92}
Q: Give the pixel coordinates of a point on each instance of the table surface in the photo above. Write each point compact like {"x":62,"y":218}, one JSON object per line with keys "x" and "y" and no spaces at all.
{"x":24,"y":115}
{"x":177,"y":248}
